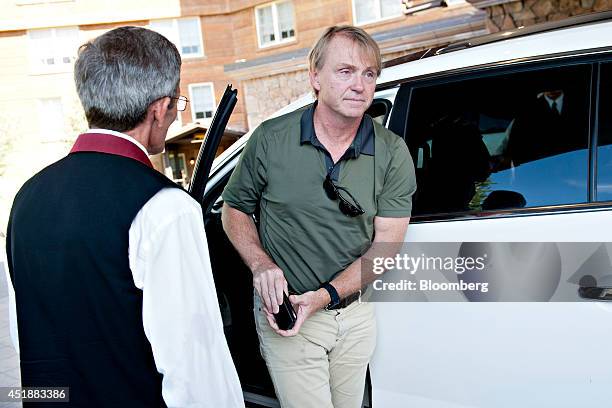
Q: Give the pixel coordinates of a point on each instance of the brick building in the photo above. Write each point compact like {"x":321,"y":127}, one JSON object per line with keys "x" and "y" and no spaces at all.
{"x":259,"y":46}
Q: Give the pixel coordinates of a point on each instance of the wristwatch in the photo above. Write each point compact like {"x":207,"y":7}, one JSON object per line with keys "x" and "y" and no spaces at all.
{"x":333,"y":294}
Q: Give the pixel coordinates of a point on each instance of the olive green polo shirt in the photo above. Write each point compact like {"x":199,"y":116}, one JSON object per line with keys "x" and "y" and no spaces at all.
{"x":283,"y":167}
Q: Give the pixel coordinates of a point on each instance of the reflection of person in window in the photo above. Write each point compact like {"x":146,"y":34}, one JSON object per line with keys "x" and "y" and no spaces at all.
{"x":547,"y":126}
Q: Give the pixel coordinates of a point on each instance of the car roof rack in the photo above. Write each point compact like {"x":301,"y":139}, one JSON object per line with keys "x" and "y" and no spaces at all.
{"x":502,"y":35}
{"x":413,"y":56}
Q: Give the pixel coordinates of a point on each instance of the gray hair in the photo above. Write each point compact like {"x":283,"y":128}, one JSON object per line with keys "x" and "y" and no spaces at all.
{"x":119,"y":74}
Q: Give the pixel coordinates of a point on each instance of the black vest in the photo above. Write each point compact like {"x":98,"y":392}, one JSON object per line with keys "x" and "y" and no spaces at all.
{"x":79,"y":313}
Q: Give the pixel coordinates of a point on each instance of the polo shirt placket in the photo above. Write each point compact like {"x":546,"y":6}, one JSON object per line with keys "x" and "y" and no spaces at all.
{"x":363,"y":143}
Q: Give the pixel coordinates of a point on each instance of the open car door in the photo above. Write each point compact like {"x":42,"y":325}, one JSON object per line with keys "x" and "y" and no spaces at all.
{"x":211,"y":143}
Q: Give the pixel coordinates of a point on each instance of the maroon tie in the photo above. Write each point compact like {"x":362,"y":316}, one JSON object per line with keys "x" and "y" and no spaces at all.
{"x":103,"y":143}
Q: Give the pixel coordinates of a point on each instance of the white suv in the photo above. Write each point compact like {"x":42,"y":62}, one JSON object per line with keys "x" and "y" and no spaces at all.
{"x":511,"y":136}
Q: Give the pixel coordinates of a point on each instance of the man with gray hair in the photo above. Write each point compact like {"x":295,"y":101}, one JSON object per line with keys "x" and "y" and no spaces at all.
{"x":329,"y":182}
{"x":108,"y":258}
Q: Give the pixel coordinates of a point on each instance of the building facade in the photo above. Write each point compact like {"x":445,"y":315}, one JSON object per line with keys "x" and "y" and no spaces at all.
{"x":258,"y":46}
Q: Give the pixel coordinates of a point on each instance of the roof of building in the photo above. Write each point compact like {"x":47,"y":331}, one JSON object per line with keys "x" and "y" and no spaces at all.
{"x":191,"y":129}
{"x":502,"y":35}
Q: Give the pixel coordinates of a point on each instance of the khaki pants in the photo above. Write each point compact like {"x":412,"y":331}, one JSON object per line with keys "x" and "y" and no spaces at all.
{"x":324,"y":366}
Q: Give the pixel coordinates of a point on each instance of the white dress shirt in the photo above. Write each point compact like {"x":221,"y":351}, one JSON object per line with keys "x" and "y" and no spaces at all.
{"x":168,"y":256}
{"x":558,"y":101}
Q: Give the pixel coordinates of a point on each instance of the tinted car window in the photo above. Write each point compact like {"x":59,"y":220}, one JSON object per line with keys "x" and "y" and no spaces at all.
{"x":499,"y":142}
{"x":604,"y":148}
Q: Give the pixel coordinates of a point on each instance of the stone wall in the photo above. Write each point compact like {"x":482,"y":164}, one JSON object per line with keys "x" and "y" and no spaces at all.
{"x":527,"y":12}
{"x":266,"y":95}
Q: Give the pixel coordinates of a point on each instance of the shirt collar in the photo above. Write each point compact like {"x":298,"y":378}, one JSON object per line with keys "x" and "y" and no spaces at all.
{"x":121,"y":135}
{"x":558,"y":101}
{"x":363,"y":143}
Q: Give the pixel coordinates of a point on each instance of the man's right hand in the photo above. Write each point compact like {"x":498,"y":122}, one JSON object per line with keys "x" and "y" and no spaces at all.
{"x":270,"y":282}
{"x":268,"y":278}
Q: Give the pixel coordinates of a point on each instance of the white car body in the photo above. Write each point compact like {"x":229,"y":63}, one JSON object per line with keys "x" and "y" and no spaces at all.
{"x":493,"y":354}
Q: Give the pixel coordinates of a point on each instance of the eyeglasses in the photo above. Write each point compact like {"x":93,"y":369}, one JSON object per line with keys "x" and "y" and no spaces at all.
{"x":333,"y":192}
{"x":181,"y":102}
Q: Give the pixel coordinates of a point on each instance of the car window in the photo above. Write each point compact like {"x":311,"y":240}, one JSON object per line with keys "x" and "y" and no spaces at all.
{"x":500,"y":142}
{"x":604,"y":142}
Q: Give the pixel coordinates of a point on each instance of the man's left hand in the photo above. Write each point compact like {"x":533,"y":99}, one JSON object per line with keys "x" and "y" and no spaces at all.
{"x":305,"y":305}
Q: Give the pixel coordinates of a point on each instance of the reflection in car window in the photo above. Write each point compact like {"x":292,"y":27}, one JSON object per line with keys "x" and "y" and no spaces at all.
{"x":559,"y":179}
{"x":500,"y":142}
{"x":604,"y":149}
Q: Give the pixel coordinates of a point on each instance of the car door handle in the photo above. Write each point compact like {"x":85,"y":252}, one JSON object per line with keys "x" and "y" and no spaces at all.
{"x":595,"y":293}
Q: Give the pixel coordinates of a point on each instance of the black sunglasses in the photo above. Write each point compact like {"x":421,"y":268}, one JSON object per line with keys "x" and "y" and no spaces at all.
{"x":333,"y":192}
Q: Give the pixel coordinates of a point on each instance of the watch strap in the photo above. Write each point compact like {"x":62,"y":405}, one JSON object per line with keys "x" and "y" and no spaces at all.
{"x":333,"y":294}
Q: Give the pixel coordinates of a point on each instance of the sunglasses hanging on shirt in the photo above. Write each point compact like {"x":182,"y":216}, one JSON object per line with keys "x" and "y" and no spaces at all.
{"x":334,"y":193}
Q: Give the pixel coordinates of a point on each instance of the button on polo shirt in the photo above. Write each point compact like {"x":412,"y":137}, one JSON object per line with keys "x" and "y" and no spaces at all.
{"x":283,"y":167}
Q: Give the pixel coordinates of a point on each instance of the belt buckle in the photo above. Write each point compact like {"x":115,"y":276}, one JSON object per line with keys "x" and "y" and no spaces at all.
{"x":329,"y":309}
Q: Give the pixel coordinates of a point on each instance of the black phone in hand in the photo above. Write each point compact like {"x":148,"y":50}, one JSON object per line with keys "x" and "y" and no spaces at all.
{"x":286,"y":316}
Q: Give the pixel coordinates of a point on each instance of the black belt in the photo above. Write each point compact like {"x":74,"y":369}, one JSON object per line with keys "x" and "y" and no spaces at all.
{"x":345,"y":302}
{"x":342,"y":304}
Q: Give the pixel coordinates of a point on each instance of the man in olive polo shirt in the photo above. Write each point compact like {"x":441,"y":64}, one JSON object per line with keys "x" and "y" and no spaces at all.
{"x":329,"y":182}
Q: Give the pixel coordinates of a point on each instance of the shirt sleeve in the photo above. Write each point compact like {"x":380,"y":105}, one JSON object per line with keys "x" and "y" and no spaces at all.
{"x":395,"y":200}
{"x":170,"y":262}
{"x":248,"y":180}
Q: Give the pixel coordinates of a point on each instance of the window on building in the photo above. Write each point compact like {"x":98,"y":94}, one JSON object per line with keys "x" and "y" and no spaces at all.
{"x":51,"y":119}
{"x":499,"y":142}
{"x":202,"y":97}
{"x":275,"y":23}
{"x":185,"y":33}
{"x":604,"y":140}
{"x":53,"y":49}
{"x":368,"y":11}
